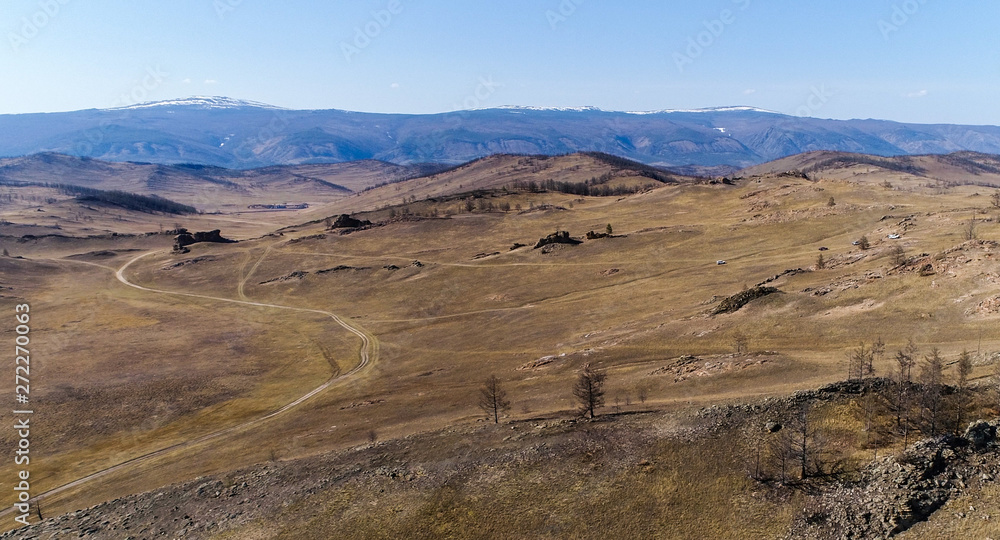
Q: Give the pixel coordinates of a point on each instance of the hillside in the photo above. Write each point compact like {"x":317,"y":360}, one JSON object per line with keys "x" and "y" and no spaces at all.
{"x":205,"y":187}
{"x":600,"y":173}
{"x":236,"y":134}
{"x":338,"y":369}
{"x":960,"y":168}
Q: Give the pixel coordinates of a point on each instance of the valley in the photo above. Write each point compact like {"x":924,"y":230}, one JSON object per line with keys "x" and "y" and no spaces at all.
{"x":317,"y":372}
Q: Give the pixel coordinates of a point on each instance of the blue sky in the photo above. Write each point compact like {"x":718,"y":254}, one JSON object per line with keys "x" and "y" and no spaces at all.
{"x":907,"y":60}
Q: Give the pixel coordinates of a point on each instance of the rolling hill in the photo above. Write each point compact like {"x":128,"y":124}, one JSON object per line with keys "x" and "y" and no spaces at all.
{"x":209,"y":188}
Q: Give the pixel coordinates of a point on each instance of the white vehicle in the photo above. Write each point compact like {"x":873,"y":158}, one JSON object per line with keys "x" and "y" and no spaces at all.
{"x":894,"y":237}
{"x":720,"y":262}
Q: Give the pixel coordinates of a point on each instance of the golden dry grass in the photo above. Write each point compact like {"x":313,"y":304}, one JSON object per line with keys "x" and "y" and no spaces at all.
{"x":631,"y":304}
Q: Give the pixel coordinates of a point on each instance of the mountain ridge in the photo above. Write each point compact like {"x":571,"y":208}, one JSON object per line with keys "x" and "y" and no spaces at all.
{"x":242,"y":134}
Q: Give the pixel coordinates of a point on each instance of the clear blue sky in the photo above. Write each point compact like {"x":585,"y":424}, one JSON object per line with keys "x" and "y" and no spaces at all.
{"x":940,"y":62}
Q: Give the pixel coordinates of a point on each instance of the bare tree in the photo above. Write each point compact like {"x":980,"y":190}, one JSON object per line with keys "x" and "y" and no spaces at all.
{"x":779,"y":446}
{"x":643,"y":392}
{"x":905,"y":359}
{"x":877,"y":355}
{"x":897,"y":255}
{"x":863,"y":243}
{"x":859,"y":362}
{"x":589,"y":390}
{"x":971,"y":228}
{"x":995,"y":199}
{"x":931,"y":378}
{"x":493,"y":398}
{"x":964,"y":369}
{"x":804,"y":445}
{"x":741,"y":342}
{"x":820,"y":262}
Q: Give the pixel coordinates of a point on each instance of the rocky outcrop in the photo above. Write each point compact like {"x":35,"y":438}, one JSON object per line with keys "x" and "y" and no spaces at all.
{"x":345,"y":221}
{"x":558,"y":237}
{"x":896,"y":493}
{"x":737,"y":301}
{"x":185,"y":238}
{"x":591,"y":235}
{"x":294,"y":276}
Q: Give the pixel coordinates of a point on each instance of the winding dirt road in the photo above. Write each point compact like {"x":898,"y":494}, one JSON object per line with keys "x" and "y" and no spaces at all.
{"x":368,"y":354}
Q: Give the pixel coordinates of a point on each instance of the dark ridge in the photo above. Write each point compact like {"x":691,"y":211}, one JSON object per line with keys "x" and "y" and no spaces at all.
{"x":899,"y":164}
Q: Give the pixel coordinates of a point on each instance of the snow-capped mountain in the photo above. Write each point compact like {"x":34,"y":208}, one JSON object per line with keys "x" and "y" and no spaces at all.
{"x":200,"y":102}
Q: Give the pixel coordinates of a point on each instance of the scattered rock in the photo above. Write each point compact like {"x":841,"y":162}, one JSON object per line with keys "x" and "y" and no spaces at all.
{"x":296,"y":275}
{"x":186,"y":262}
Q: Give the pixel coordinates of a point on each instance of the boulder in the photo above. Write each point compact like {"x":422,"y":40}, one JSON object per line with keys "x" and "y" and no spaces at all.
{"x":981,"y":434}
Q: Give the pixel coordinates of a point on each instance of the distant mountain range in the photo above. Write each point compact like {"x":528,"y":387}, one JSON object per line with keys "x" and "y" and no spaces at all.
{"x":225,"y":132}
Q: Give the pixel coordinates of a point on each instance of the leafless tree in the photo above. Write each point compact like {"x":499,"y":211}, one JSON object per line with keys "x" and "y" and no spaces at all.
{"x":589,"y":390}
{"x":741,"y":343}
{"x":779,"y":446}
{"x":963,"y":370}
{"x":859,"y":362}
{"x":971,"y":231}
{"x":877,"y":355}
{"x":932,"y":380}
{"x":493,"y":398}
{"x":905,"y":359}
{"x":643,"y":392}
{"x":802,"y":436}
{"x":897,"y":255}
